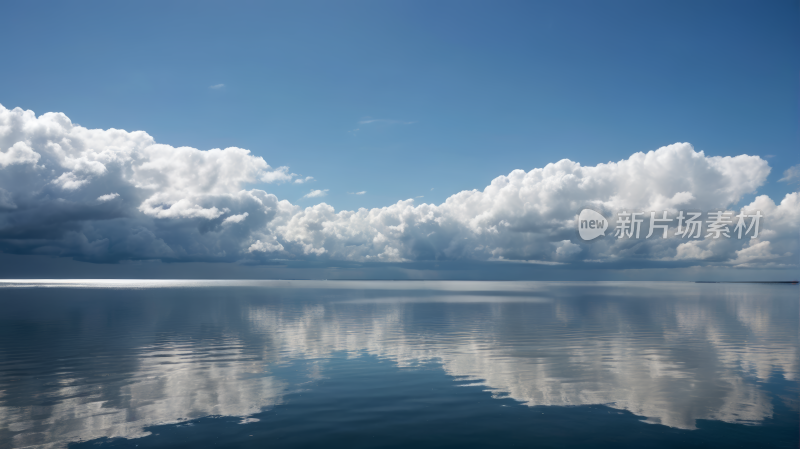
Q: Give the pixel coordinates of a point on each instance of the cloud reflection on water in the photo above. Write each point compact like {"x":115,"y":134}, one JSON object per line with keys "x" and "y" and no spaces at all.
{"x":170,"y":386}
{"x":689,"y":360}
{"x":672,"y":353}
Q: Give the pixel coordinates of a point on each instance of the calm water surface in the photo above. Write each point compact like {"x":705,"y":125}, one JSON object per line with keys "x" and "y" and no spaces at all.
{"x":395,"y":364}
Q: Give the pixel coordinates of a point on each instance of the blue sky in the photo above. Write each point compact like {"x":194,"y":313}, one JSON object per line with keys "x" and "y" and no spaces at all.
{"x":461,"y":92}
{"x":397,"y":100}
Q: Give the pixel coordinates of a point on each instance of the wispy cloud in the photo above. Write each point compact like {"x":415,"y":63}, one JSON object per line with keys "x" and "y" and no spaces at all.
{"x":381,"y":121}
{"x":217,"y":86}
{"x":357,"y":193}
{"x":304,"y":180}
{"x":385,"y":121}
{"x":108,"y":197}
{"x":791,"y":175}
{"x":316,"y":194}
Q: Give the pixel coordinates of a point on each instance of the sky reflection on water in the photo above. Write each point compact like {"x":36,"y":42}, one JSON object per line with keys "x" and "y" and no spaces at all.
{"x":86,"y":360}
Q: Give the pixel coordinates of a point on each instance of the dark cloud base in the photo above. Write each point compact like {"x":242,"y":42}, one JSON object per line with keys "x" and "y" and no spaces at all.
{"x":49,"y":267}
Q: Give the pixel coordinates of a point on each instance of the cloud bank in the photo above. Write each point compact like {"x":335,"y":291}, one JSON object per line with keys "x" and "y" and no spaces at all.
{"x":112,"y":195}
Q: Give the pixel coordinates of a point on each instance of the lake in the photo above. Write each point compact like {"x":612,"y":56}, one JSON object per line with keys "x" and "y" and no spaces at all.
{"x":363,"y":364}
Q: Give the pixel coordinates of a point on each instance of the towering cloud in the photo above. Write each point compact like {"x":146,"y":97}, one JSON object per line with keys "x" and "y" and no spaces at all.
{"x":110,"y":195}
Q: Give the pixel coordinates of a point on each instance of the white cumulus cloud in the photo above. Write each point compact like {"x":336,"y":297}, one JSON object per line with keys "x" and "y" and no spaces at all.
{"x":19,"y":153}
{"x":182,"y":203}
{"x":55,"y":179}
{"x":531,"y":215}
